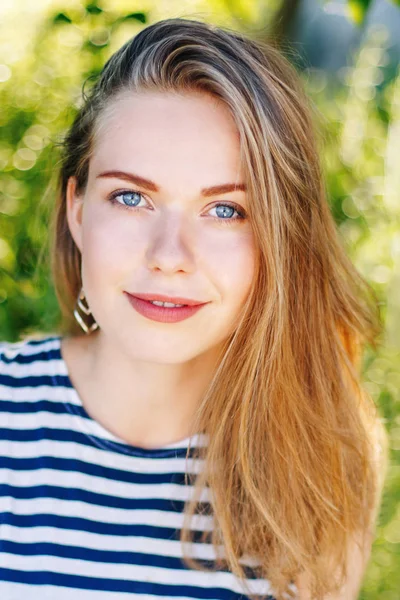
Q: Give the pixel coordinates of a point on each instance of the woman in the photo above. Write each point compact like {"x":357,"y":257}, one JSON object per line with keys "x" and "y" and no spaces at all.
{"x":190,"y":176}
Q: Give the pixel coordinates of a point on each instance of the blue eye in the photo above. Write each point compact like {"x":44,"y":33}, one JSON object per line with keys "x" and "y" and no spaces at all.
{"x":225,"y":210}
{"x":130,"y":198}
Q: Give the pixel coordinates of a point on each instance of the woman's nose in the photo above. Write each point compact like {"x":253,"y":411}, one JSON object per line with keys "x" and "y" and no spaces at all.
{"x":170,"y":248}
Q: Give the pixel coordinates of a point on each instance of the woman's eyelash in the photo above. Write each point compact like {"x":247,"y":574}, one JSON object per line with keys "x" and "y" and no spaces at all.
{"x":113,"y":197}
{"x":240,"y":212}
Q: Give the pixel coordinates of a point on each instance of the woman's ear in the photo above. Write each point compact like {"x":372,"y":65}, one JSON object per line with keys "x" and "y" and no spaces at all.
{"x":74,"y":207}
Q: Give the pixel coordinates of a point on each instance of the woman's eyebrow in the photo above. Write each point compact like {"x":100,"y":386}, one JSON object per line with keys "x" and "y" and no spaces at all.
{"x":152,"y":187}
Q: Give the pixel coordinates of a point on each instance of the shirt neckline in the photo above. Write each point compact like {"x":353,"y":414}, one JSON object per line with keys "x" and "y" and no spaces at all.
{"x":104,"y":437}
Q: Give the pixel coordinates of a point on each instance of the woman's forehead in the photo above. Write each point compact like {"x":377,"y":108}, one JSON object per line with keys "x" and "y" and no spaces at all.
{"x":159,"y":111}
{"x":167,"y":134}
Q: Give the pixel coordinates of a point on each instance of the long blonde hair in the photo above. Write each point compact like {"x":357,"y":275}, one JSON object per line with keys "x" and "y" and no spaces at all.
{"x":290,"y":458}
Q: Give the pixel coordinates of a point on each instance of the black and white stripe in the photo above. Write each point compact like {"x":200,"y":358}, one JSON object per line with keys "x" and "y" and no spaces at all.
{"x":83,"y":512}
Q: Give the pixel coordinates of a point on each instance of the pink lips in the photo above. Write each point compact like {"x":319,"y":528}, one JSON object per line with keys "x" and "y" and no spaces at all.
{"x":163,"y":314}
{"x":172,"y":299}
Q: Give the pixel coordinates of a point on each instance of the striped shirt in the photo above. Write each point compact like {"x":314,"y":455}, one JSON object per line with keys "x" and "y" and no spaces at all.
{"x":82,"y":511}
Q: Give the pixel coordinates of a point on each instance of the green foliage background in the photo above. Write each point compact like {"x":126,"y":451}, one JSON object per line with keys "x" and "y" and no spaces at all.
{"x":42,"y":70}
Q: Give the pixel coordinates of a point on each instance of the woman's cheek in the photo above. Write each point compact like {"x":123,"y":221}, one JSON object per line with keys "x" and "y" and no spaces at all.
{"x":230,"y":257}
{"x":112,"y":244}
{"x":101,"y":247}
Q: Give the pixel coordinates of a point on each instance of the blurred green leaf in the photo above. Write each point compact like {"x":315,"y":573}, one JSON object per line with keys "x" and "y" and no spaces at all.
{"x":93,"y":8}
{"x":61,"y":18}
{"x":358,"y":10}
{"x":136,"y":16}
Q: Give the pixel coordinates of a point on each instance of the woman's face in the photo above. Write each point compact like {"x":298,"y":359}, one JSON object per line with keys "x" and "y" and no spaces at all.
{"x":169,"y":237}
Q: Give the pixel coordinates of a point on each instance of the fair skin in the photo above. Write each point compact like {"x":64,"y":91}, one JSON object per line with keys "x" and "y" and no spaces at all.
{"x":142,"y":379}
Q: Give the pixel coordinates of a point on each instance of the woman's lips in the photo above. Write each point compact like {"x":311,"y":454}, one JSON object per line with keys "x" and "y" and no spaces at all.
{"x":164,"y":298}
{"x":163,"y":314}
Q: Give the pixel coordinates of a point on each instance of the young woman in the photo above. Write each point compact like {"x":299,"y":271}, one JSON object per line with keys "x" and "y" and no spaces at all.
{"x":197,"y":427}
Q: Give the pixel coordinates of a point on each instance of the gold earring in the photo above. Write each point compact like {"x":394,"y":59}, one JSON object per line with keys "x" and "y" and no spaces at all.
{"x":86,"y":310}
